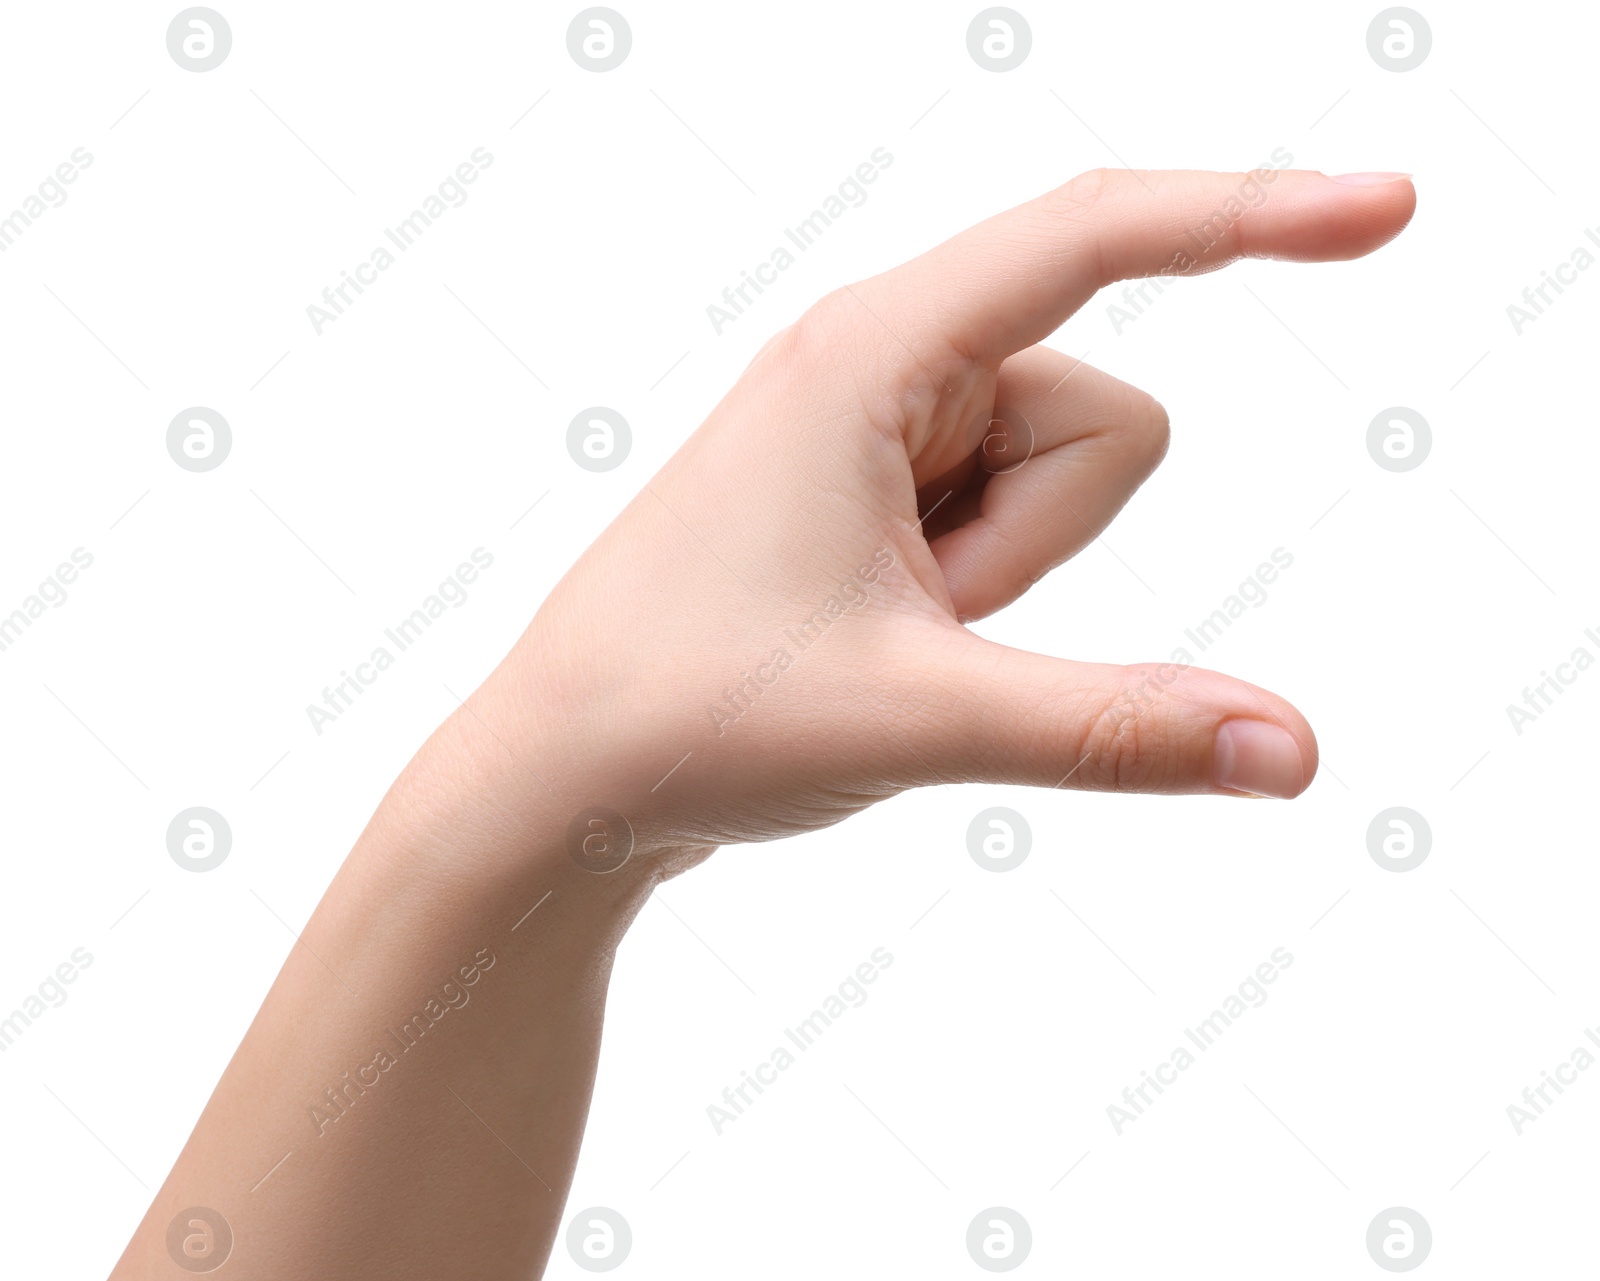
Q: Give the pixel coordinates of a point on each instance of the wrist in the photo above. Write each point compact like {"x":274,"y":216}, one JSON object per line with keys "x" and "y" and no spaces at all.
{"x":511,"y":800}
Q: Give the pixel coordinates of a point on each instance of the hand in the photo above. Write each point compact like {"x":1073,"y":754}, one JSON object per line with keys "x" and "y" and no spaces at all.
{"x":777,"y":619}
{"x":769,"y":638}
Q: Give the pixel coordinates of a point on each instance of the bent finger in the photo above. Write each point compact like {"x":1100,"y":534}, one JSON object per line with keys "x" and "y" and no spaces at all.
{"x":1069,"y":445}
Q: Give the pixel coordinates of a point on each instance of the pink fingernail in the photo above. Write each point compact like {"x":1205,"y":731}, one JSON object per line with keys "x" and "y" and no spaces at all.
{"x":1255,"y":757}
{"x":1367,"y":179}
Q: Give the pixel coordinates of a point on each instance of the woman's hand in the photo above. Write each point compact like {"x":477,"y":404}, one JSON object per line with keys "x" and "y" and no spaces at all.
{"x":777,"y":619}
{"x":769,"y":638}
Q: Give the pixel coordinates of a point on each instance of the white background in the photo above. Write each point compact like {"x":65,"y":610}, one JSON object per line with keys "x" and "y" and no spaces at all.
{"x":368,"y":461}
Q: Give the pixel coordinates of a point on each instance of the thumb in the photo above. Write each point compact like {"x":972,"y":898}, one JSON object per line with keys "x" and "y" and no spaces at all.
{"x":1008,"y":716}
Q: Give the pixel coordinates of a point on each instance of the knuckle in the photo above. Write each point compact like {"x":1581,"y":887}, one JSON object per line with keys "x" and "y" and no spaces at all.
{"x":1151,"y":430}
{"x":818,"y":331}
{"x":823,"y":325}
{"x":1123,"y":747}
{"x":854,"y":331}
{"x":1075,"y":205}
{"x":1134,"y":422}
{"x":1098,"y":181}
{"x":1089,"y":187}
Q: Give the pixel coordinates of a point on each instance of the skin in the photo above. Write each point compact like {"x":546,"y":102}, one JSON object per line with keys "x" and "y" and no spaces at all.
{"x":909,"y":417}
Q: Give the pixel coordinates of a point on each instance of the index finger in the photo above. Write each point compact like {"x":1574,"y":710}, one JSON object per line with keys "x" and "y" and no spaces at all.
{"x":1011,"y":281}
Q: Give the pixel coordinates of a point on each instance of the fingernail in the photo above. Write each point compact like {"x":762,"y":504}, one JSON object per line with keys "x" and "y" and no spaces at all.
{"x":1255,"y":757}
{"x":1367,"y":179}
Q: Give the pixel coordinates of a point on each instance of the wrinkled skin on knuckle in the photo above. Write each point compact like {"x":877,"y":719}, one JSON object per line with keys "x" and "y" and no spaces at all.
{"x":1124,"y":740}
{"x":1075,"y":197}
{"x":1074,"y":205}
{"x":1090,"y":186}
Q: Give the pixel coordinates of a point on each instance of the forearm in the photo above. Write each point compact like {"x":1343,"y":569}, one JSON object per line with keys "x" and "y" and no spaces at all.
{"x":417,"y":1080}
